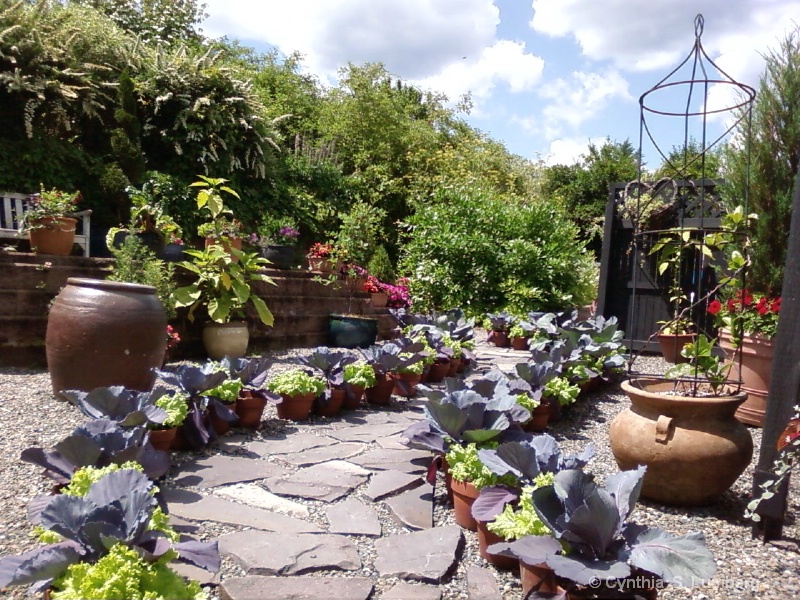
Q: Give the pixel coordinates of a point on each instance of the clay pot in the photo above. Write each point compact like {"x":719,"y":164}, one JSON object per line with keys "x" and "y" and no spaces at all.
{"x":519,"y":343}
{"x":323,"y":265}
{"x":296,"y":408}
{"x":554,"y":408}
{"x":53,"y":235}
{"x":485,"y":539}
{"x":464,"y":495}
{"x":105,"y":333}
{"x":452,"y":368}
{"x":333,"y":407}
{"x":539,"y":419}
{"x":379,"y":300}
{"x":221,"y":426}
{"x":249,"y":406}
{"x":179,"y":442}
{"x":408,"y":387}
{"x":226,"y":339}
{"x":227,"y":243}
{"x":756,"y":372}
{"x":380,"y":393}
{"x":672,"y":344}
{"x":438,"y":371}
{"x":543,"y":576}
{"x":694,"y":448}
{"x":351,"y":402}
{"x":499,"y":339}
{"x":161,"y":439}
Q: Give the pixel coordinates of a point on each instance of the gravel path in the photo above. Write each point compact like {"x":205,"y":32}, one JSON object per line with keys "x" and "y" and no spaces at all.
{"x":748,"y":569}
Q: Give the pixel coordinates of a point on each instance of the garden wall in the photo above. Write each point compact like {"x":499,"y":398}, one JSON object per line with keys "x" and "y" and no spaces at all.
{"x":301,"y":305}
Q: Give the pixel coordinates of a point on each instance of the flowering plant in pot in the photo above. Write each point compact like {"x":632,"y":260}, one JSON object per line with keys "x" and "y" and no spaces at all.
{"x":275,"y":239}
{"x":80,"y":565}
{"x":298,"y":387}
{"x":47,"y":218}
{"x":578,"y":557}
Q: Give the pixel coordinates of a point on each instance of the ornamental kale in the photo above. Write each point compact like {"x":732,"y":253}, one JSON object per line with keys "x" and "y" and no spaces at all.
{"x":591,"y":541}
{"x":127,"y":407}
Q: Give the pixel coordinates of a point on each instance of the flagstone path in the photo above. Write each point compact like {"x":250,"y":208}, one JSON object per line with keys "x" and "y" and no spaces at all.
{"x":262,"y":494}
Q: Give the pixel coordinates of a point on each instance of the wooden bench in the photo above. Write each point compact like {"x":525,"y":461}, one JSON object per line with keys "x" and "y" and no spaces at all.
{"x":12,"y":207}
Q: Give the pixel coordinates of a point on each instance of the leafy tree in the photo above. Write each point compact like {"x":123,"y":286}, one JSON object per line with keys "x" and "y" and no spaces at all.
{"x":582,"y":188}
{"x":689,"y":162}
{"x":775,"y":157}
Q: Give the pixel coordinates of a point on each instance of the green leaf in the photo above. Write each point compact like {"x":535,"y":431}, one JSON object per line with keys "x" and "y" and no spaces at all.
{"x":263,"y":312}
{"x":186,"y":296}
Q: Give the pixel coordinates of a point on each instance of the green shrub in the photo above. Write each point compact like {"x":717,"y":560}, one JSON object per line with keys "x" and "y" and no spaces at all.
{"x":380,"y":265}
{"x":136,"y":264}
{"x":484,"y":253}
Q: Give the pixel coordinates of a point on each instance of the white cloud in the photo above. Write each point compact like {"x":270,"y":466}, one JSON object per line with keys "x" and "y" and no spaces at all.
{"x":579,"y":99}
{"x":413,"y":38}
{"x":568,"y":151}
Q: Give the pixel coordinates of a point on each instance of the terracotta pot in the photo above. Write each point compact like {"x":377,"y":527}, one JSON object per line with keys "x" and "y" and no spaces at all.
{"x":179,"y":442}
{"x":543,"y":576}
{"x":105,"y":333}
{"x":519,"y":343}
{"x":438,"y":371}
{"x":408,"y":389}
{"x":452,"y":368}
{"x":221,"y":426}
{"x":249,"y":407}
{"x":354,"y":401}
{"x":53,"y":235}
{"x":539,"y":419}
{"x":756,"y":372}
{"x":464,"y":495}
{"x":465,"y":362}
{"x":380,"y":393}
{"x":554,"y":408}
{"x":161,"y":439}
{"x":485,"y":539}
{"x":499,"y":339}
{"x":694,"y":448}
{"x":333,"y":407}
{"x":295,"y":408}
{"x":379,"y":300}
{"x":226,"y":243}
{"x":323,"y":265}
{"x":671,"y":346}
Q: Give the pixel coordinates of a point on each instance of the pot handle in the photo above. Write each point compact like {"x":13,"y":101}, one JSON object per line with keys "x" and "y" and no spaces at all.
{"x":663,"y":429}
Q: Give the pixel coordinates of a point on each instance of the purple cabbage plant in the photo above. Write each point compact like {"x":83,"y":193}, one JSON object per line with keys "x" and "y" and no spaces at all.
{"x":127,"y":407}
{"x":593,"y":544}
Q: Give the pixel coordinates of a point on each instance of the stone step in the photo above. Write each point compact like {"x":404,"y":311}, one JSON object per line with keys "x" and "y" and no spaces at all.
{"x":24,"y":302}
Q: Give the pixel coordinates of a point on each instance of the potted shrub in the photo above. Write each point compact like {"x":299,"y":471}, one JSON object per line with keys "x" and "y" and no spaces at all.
{"x":222,"y":229}
{"x":120,"y":505}
{"x":358,"y":376}
{"x":699,"y":448}
{"x":46,"y":218}
{"x":332,"y":366}
{"x":298,"y":388}
{"x":576,"y":557}
{"x":223,"y":287}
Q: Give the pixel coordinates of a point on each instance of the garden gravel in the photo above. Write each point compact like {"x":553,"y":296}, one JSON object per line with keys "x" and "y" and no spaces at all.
{"x":747,"y":568}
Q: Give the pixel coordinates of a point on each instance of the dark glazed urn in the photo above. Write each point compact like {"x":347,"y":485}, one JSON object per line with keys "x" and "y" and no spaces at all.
{"x":105,"y":333}
{"x":280,"y":255}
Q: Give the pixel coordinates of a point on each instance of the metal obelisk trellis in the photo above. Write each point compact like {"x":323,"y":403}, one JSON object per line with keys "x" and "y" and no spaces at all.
{"x":684,"y":200}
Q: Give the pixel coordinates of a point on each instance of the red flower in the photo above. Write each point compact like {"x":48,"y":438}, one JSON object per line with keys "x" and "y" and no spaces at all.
{"x":763,"y":306}
{"x":714,"y":307}
{"x":776,"y":305}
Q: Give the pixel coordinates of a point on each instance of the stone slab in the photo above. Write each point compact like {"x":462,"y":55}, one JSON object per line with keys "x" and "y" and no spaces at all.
{"x":289,"y":443}
{"x":413,"y":508}
{"x":378,"y":417}
{"x":352,"y":517}
{"x":430,"y":555}
{"x":412,"y":591}
{"x":327,"y":481}
{"x":213,"y":471}
{"x":269,"y":553}
{"x":367,"y":433}
{"x":389,"y":483}
{"x":407,"y":461}
{"x":313,"y":456}
{"x":482,"y":584}
{"x":257,"y":587}
{"x":231,"y":443}
{"x":193,"y":506}
{"x":254,"y":495}
{"x":392,"y":442}
{"x":200,"y":575}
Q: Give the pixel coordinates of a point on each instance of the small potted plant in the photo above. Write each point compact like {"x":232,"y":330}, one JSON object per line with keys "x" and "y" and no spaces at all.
{"x":540,"y":411}
{"x":358,"y":376}
{"x":332,"y":366}
{"x":226,"y":393}
{"x":298,"y":388}
{"x":46,"y":218}
{"x":277,"y":238}
{"x":519,"y":334}
{"x":176,"y":406}
{"x":253,"y":398}
{"x":321,"y":258}
{"x":378,"y":298}
{"x":574,"y":558}
{"x":499,"y":326}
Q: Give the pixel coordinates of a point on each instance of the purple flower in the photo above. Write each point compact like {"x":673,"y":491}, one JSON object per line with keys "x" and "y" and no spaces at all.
{"x":288,"y":231}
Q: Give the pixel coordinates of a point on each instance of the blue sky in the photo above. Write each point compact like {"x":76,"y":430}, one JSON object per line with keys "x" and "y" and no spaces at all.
{"x":546,"y":76}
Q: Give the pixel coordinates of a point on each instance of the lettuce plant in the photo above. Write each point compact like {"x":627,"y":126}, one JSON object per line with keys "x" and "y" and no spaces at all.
{"x":116,"y":510}
{"x":561,"y":390}
{"x":295,"y":382}
{"x":465,"y":466}
{"x":359,"y":373}
{"x":176,"y":407}
{"x":592,"y":543}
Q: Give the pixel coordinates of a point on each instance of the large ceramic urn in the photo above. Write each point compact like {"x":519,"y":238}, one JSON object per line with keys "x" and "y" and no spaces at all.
{"x":105,"y":333}
{"x":694,"y":448}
